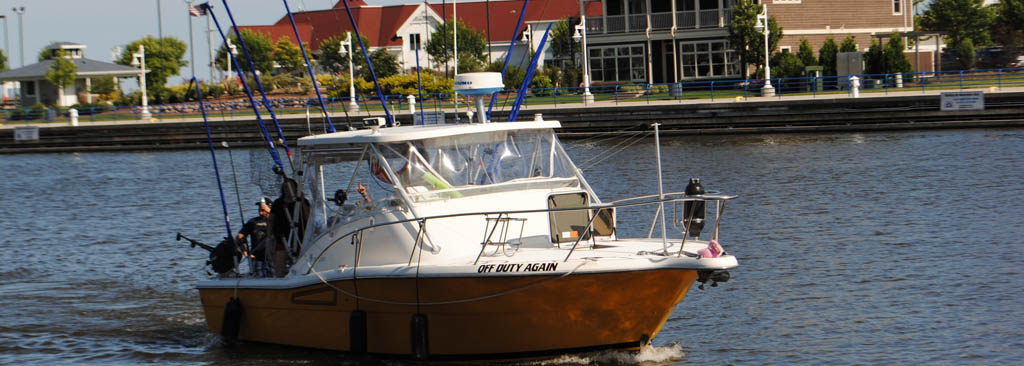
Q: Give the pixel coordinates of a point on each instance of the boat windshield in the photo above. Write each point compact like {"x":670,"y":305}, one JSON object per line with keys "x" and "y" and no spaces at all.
{"x":456,"y":166}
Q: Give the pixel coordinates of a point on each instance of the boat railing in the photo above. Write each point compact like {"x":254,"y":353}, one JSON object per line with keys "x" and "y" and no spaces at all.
{"x":675,"y":198}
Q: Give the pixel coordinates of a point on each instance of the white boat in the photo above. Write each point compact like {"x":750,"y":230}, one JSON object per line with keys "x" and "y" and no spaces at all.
{"x":481,"y":240}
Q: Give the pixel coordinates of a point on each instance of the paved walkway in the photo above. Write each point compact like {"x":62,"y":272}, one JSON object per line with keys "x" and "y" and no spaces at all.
{"x":869,"y":93}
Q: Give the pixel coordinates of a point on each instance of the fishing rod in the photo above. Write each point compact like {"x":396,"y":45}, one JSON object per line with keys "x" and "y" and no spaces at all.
{"x":259,"y":85}
{"x":248,"y":92}
{"x":309,"y":66}
{"x":508,"y":56}
{"x":234,"y":176}
{"x":521,"y":96}
{"x":213,"y":156}
{"x":380,"y":94}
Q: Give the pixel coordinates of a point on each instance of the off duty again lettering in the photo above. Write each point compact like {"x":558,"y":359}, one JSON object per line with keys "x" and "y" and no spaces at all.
{"x":517,"y":267}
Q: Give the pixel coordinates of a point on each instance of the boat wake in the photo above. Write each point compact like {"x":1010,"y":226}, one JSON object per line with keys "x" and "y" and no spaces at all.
{"x":647,"y":355}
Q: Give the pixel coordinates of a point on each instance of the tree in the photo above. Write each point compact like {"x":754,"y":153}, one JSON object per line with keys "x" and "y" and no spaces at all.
{"x":331,"y":57}
{"x":888,"y":58}
{"x":1008,"y":27}
{"x":562,"y":45}
{"x":965,"y":54}
{"x":745,"y":38}
{"x":384,"y":64}
{"x":874,"y":59}
{"x":787,"y":65}
{"x":895,"y":61}
{"x":3,"y":62}
{"x":849,"y":44}
{"x":287,"y":55}
{"x":164,"y":58}
{"x":103,"y":85}
{"x":471,"y":43}
{"x":806,"y":54}
{"x":260,"y":49}
{"x":962,"y":20}
{"x":61,"y":73}
{"x":827,"y":56}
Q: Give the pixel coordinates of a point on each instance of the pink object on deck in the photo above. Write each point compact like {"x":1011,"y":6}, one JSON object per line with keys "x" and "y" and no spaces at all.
{"x":714,"y":250}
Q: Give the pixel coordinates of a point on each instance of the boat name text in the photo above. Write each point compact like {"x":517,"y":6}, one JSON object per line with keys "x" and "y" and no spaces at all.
{"x":517,"y":267}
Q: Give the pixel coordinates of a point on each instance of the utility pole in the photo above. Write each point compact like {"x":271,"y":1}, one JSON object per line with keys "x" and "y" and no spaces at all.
{"x":21,"y":34}
{"x":159,"y":21}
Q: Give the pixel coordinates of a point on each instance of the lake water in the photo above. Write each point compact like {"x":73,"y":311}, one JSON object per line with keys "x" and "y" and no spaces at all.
{"x":854,"y":248}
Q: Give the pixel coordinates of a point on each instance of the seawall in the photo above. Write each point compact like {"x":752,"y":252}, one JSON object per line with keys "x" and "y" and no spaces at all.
{"x":903,"y":111}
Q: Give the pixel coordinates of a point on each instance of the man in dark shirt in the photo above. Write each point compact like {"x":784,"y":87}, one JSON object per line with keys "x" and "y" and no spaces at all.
{"x":256,"y":230}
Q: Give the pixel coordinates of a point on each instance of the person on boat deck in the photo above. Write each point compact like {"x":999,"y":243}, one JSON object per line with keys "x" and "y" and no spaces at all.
{"x":281,"y":227}
{"x":256,"y":231}
{"x":367,"y":201}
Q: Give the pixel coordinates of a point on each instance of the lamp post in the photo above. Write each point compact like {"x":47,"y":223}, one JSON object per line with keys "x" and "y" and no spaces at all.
{"x":21,"y":34}
{"x":352,"y":105}
{"x":581,"y":33}
{"x":139,"y":59}
{"x":232,"y":52}
{"x":762,"y":23}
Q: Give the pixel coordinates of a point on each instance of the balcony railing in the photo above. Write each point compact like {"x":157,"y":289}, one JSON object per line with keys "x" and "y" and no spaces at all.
{"x":638,"y":23}
{"x":687,"y":19}
{"x":709,"y":19}
{"x":661,"y":21}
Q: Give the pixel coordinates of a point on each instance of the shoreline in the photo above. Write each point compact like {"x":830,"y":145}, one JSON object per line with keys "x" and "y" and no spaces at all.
{"x":904,"y":110}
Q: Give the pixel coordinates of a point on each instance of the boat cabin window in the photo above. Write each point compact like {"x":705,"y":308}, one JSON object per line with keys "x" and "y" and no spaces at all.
{"x":334,"y":171}
{"x":458,"y":166}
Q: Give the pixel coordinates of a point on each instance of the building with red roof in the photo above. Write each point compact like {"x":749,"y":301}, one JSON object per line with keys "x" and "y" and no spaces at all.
{"x":399,"y":28}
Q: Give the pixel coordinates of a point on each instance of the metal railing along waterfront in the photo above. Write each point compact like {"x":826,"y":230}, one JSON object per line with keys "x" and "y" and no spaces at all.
{"x":679,"y":199}
{"x":713,"y":90}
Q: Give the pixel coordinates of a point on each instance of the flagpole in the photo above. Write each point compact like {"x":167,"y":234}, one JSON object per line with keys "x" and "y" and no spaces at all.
{"x":191,"y":50}
{"x":209,"y":38}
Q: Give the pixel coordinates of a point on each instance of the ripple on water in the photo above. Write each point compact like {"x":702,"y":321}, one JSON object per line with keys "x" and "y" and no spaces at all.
{"x":868,"y":248}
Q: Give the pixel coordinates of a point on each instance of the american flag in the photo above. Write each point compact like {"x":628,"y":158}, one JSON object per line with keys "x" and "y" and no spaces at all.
{"x":198,"y":10}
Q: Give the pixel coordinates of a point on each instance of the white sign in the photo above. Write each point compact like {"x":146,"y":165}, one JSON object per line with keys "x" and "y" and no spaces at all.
{"x":963,"y":101}
{"x":26,"y":133}
{"x":431,"y":118}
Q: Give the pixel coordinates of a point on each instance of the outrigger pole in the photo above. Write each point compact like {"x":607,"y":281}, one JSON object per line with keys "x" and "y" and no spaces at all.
{"x":508,"y":55}
{"x":248,"y":92}
{"x":419,"y":81}
{"x":521,"y":95}
{"x":213,"y":156}
{"x":309,"y":66}
{"x":380,"y":94}
{"x":255,"y":76}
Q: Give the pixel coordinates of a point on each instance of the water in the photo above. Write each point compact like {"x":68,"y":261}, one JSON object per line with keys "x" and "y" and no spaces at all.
{"x":868,"y":248}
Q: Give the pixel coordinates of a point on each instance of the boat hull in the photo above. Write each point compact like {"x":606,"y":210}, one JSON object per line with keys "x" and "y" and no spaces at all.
{"x":492,"y":317}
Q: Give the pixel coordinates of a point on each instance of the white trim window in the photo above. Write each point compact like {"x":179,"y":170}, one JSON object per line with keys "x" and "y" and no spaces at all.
{"x":618,"y":63}
{"x":414,"y":41}
{"x":707,"y":60}
{"x":897,"y":7}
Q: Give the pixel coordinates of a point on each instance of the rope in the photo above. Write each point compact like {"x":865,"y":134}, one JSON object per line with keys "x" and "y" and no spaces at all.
{"x":450,"y":302}
{"x":626,"y":143}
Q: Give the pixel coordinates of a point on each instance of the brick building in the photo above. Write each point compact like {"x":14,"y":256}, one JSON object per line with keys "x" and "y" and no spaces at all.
{"x":638,"y":40}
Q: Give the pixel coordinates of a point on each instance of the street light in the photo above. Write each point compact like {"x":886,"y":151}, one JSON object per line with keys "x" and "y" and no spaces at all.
{"x":762,"y":24}
{"x":232,"y":52}
{"x":21,"y":31}
{"x":352,"y":105}
{"x":139,"y":59}
{"x":581,"y":33}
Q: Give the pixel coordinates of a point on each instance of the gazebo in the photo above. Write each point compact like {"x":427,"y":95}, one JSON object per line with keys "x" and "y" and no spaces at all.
{"x":36,"y":89}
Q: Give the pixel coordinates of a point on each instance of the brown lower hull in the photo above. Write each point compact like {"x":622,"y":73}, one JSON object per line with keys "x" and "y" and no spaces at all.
{"x":536,"y":315}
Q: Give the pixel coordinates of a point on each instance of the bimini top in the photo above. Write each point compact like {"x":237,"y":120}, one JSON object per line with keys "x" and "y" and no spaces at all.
{"x":412,"y":133}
